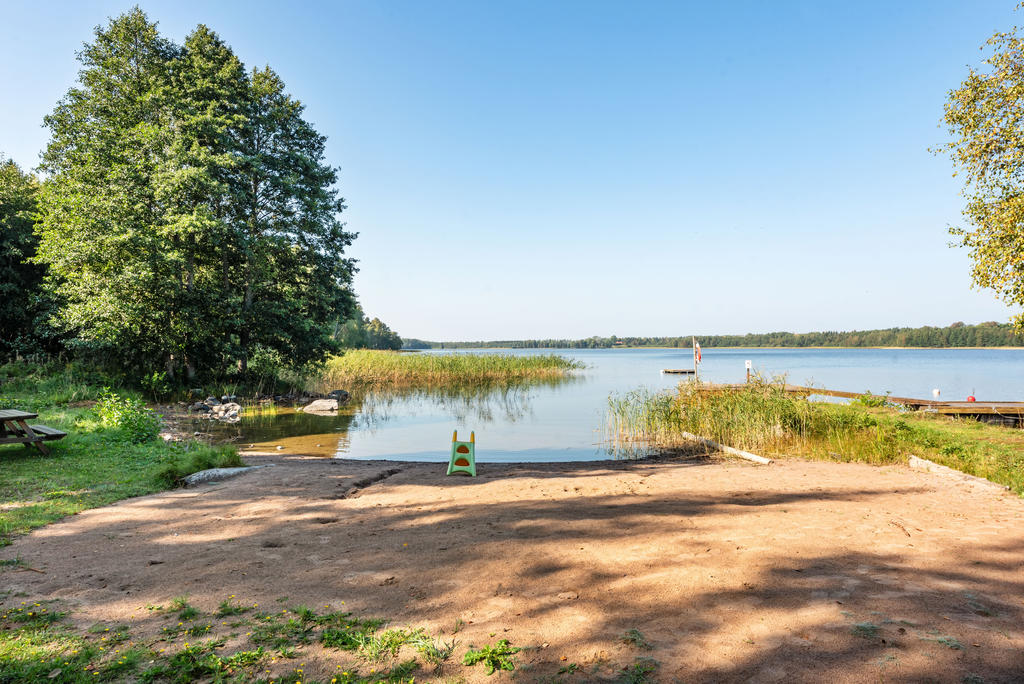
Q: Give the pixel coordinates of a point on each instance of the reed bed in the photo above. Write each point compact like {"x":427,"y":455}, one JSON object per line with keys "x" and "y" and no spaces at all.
{"x":762,"y":418}
{"x":366,"y":369}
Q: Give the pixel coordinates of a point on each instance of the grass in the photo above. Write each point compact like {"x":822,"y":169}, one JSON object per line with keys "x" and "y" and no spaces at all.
{"x":94,"y":465}
{"x":762,"y":418}
{"x":634,"y":637}
{"x":38,"y":643}
{"x":494,"y":658}
{"x":640,"y":671}
{"x":367,"y":369}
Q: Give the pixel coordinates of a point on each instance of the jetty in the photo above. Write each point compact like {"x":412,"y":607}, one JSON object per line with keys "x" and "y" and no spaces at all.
{"x":679,"y":371}
{"x":1009,"y":413}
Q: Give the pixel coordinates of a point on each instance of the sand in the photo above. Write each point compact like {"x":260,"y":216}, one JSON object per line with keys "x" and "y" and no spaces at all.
{"x":793,"y":572}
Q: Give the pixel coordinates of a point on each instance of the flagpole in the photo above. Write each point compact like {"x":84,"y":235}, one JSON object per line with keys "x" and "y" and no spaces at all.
{"x":694,"y":343}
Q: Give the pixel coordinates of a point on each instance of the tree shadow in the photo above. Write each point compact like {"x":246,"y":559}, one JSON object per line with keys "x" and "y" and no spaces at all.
{"x":727,"y":583}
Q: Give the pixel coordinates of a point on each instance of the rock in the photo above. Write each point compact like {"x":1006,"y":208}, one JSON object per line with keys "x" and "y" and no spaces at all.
{"x":228,"y":413}
{"x":212,"y":401}
{"x":215,"y":474}
{"x":322,"y":406}
{"x":200,"y":406}
{"x":341,"y":396}
{"x":227,"y":397}
{"x":568,"y":596}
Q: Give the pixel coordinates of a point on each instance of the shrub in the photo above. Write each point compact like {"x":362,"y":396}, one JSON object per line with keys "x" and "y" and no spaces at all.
{"x":129,"y":414}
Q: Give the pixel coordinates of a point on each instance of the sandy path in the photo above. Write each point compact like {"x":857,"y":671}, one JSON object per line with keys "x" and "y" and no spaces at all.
{"x":791,"y":572}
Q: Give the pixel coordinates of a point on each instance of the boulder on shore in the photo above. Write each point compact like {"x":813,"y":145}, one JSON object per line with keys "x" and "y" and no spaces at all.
{"x":228,"y":413}
{"x":321,"y":406}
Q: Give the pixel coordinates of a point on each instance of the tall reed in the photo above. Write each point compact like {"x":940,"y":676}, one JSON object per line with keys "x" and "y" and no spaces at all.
{"x":760,"y":417}
{"x":384,"y":369}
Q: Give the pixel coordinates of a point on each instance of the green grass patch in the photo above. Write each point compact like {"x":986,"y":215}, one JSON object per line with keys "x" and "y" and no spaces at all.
{"x":384,"y":369}
{"x":494,"y":658}
{"x":763,"y":418}
{"x":97,"y":463}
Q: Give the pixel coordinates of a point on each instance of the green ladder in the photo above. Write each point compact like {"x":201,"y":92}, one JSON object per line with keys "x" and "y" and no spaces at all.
{"x":463,"y":458}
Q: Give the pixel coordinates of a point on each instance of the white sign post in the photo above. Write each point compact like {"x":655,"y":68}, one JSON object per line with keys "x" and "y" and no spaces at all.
{"x":749,"y":366}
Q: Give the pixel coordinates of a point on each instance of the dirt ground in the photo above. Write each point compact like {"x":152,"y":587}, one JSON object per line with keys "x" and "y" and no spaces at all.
{"x":793,"y":572}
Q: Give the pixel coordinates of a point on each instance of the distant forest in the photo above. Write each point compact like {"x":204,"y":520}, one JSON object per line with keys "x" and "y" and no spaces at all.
{"x":990,"y":334}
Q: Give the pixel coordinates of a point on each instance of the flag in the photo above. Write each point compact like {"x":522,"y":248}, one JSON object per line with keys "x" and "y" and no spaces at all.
{"x":696,"y":351}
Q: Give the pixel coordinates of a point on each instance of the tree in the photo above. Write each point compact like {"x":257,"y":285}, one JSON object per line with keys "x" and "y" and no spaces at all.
{"x":20,"y":280}
{"x":189,"y":218}
{"x":359,"y":332}
{"x":101,"y":231}
{"x":985,"y":117}
{"x":292,"y":275}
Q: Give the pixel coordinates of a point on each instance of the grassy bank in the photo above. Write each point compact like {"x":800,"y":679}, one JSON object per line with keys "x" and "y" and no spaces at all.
{"x":385,"y":369}
{"x":111,"y":451}
{"x":760,"y":417}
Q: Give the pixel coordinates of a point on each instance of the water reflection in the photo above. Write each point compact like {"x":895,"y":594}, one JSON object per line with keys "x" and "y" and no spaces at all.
{"x":289,"y":430}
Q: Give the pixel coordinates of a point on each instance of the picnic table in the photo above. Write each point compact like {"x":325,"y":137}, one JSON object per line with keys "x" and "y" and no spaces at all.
{"x":14,"y":429}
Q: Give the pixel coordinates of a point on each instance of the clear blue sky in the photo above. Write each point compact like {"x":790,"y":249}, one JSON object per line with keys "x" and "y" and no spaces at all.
{"x":564,"y":169}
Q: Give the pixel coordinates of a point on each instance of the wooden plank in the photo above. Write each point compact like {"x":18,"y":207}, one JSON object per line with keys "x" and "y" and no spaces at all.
{"x":19,"y":439}
{"x":49,"y":433}
{"x":679,"y":371}
{"x":14,"y":414}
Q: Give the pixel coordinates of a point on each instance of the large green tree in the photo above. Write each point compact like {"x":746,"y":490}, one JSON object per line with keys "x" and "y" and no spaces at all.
{"x":293,"y":278}
{"x":102,"y":221}
{"x":985,"y":117}
{"x":189,"y":217}
{"x":19,"y":279}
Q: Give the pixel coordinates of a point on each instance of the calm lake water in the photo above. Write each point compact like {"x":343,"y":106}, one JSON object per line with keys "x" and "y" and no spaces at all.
{"x":566,"y":421}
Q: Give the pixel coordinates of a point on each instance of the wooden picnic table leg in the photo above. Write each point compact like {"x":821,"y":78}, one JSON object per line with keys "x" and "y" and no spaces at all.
{"x":37,"y":441}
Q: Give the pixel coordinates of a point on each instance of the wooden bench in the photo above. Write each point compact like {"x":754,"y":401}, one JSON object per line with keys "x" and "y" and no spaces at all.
{"x":14,"y":429}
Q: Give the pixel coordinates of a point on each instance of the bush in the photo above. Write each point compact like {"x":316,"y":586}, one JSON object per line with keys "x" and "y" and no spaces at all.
{"x":191,"y":457}
{"x":128,"y":414}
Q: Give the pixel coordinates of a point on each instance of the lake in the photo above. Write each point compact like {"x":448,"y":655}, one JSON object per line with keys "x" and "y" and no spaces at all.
{"x":566,"y":421}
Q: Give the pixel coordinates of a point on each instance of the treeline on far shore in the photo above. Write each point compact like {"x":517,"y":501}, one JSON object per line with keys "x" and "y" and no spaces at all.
{"x":989,"y":334}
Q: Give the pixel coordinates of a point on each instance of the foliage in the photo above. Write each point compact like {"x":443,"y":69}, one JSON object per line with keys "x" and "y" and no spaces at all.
{"x":495,"y":658}
{"x":130,"y":414}
{"x":359,"y":332}
{"x":989,"y":334}
{"x":763,"y":418}
{"x":985,"y":119}
{"x":188,"y":217}
{"x":871,"y":400}
{"x":364,"y":368}
{"x":22,"y":308}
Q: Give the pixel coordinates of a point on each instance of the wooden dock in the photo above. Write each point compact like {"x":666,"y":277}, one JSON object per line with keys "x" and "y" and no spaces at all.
{"x":1004,"y":412}
{"x":679,"y":371}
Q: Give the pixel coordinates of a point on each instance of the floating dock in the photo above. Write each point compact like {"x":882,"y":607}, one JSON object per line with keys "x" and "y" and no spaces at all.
{"x":1001,"y":412}
{"x":679,"y":371}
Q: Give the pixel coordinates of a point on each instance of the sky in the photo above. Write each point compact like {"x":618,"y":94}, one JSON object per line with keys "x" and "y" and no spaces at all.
{"x":522,"y":169}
